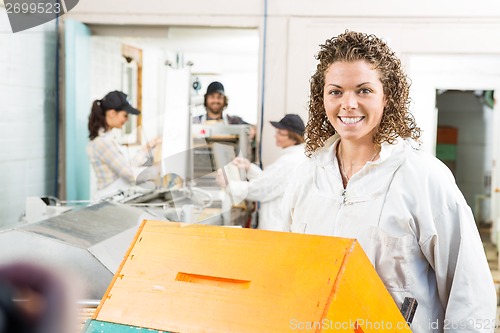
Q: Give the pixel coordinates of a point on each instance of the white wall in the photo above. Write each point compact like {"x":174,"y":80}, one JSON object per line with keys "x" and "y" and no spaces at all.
{"x":230,"y":56}
{"x":153,"y":77}
{"x":28,"y":124}
{"x":106,"y":66}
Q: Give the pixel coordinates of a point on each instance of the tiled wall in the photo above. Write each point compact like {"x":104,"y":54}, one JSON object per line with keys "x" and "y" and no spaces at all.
{"x":28,"y":123}
{"x":105,"y":75}
{"x":106,"y":70}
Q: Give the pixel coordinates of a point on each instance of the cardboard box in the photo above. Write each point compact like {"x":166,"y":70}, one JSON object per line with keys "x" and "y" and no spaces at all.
{"x":194,"y":278}
{"x":447,"y":135}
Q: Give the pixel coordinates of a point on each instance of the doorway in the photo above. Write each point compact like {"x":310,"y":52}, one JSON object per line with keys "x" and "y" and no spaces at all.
{"x":464,"y":142}
{"x":432,"y":75}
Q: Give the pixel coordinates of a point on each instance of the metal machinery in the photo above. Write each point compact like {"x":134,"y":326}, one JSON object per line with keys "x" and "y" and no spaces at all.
{"x":203,"y":138}
{"x":87,"y":243}
{"x":204,"y":164}
{"x":90,"y":241}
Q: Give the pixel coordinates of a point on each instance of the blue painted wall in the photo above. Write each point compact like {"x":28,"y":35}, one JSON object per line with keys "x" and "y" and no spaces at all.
{"x":78,"y":104}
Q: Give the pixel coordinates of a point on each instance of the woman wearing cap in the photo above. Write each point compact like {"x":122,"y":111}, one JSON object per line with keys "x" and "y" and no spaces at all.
{"x":114,"y":171}
{"x":267,"y":186}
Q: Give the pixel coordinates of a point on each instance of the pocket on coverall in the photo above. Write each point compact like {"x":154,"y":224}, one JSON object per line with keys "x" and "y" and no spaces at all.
{"x":392,"y":258}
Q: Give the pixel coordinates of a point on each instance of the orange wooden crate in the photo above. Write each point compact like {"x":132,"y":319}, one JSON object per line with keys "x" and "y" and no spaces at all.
{"x":194,"y":278}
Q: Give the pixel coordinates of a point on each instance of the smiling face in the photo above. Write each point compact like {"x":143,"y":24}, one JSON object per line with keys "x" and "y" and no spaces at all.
{"x":283,"y":139}
{"x":354,"y":100}
{"x":215,"y":103}
{"x":116,"y":119}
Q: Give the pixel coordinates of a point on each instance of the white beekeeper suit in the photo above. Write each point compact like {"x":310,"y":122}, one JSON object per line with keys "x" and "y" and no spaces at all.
{"x":267,"y":186}
{"x":413,"y":223}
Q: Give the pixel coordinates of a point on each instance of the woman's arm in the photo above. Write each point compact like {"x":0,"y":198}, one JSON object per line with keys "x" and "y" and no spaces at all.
{"x":464,"y":280}
{"x":109,"y":153}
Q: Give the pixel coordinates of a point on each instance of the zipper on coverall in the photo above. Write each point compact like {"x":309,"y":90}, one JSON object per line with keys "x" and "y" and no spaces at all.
{"x":343,"y":203}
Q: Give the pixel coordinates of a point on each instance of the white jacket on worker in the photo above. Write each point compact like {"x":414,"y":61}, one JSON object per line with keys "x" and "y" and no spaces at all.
{"x":267,"y":186}
{"x":413,"y":223}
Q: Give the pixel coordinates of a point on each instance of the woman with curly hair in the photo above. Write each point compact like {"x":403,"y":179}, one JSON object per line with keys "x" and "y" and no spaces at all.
{"x":367,"y":179}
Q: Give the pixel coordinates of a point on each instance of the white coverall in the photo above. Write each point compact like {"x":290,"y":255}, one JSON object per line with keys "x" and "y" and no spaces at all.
{"x":267,"y":186}
{"x":413,"y":223}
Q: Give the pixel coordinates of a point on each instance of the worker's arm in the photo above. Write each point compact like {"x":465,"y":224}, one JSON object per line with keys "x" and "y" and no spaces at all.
{"x":464,"y":281}
{"x":264,"y":185}
{"x":109,"y":154}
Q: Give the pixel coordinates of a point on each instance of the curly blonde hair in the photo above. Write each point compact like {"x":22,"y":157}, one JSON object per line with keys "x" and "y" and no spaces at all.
{"x":352,"y":46}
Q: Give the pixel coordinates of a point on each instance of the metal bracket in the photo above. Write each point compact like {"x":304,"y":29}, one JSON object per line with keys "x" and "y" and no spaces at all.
{"x":408,"y":309}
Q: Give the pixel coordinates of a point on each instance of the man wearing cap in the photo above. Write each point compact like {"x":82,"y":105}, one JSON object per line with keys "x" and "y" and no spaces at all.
{"x":113,"y":169}
{"x":215,"y":103}
{"x":268,"y":186}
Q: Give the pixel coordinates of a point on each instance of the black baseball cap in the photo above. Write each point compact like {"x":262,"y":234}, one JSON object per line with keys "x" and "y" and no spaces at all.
{"x":117,"y":100}
{"x":215,"y":87}
{"x":291,"y":122}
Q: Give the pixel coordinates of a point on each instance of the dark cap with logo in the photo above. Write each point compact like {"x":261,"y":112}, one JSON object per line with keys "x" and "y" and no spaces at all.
{"x":215,"y":87}
{"x":117,"y":100}
{"x":291,"y":122}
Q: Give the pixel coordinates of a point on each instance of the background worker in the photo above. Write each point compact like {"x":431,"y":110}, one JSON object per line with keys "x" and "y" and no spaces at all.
{"x":267,"y":186}
{"x":113,"y":168}
{"x":215,"y":102}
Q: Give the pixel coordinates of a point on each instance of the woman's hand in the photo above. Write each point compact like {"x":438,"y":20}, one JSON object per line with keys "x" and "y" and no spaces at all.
{"x":220,"y":179}
{"x":242,"y":163}
{"x":153,"y":143}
